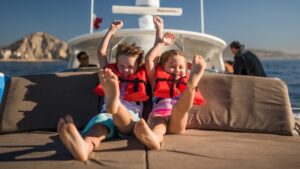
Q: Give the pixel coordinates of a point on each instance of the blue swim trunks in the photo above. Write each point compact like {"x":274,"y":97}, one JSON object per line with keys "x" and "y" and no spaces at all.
{"x":107,"y":120}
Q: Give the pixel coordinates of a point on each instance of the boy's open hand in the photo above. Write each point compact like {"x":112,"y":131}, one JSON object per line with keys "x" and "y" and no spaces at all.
{"x":168,"y":38}
{"x":116,"y":25}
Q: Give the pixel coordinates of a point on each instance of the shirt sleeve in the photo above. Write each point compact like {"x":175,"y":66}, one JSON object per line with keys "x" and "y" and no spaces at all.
{"x":238,"y":65}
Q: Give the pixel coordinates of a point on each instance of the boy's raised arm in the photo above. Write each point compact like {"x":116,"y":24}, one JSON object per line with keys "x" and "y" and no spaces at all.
{"x":102,"y":50}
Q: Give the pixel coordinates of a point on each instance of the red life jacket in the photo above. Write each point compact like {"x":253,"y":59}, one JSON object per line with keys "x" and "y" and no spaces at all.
{"x":167,"y":86}
{"x":136,"y":85}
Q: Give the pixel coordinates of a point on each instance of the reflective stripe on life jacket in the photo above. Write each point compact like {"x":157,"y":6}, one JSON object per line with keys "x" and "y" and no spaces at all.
{"x":136,"y":85}
{"x":167,"y":86}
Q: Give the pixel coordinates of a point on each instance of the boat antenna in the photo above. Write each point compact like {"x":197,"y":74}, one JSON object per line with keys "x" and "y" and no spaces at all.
{"x":92,"y":16}
{"x":202,"y":15}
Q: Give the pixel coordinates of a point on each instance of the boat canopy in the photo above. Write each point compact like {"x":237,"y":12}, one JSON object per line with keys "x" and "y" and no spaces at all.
{"x":190,"y":43}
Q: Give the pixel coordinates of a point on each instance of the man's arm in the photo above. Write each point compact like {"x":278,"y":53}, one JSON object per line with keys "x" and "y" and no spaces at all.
{"x":238,"y":65}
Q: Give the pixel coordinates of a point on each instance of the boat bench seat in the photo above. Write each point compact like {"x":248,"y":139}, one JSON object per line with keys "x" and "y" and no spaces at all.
{"x":246,"y":123}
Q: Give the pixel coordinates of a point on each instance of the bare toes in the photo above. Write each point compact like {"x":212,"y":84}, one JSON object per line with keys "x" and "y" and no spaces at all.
{"x":69,"y":119}
{"x":60,"y":123}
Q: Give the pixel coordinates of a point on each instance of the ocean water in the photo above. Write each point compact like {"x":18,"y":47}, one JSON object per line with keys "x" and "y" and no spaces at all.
{"x":26,"y":68}
{"x":286,"y":69}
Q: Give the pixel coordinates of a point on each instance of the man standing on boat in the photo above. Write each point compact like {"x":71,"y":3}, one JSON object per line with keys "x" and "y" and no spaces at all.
{"x":246,"y":62}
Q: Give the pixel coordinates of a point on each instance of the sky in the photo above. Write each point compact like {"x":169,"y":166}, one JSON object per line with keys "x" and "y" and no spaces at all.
{"x":262,"y":24}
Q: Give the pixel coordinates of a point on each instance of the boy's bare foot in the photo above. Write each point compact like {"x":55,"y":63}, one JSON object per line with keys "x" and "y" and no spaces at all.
{"x":71,"y":138}
{"x":145,"y":135}
{"x":196,"y":71}
{"x":110,"y":84}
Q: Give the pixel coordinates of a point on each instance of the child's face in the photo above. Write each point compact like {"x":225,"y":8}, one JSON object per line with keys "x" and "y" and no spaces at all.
{"x":127,"y":65}
{"x":176,"y":65}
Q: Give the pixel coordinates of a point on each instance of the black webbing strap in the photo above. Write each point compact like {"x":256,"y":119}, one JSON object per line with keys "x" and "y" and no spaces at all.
{"x":174,"y":82}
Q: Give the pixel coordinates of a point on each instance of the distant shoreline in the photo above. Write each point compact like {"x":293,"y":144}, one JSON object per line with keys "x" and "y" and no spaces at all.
{"x":63,"y":60}
{"x":269,"y":58}
{"x":278,"y":58}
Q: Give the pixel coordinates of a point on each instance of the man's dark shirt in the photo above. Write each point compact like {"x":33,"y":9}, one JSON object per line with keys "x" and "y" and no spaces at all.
{"x":247,"y":63}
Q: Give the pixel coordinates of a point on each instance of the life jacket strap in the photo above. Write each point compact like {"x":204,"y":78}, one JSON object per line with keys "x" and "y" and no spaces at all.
{"x":135,"y":82}
{"x":173,"y":81}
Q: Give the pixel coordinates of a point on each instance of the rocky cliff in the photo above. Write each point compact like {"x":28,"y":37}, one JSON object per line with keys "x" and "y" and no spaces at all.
{"x":37,"y":46}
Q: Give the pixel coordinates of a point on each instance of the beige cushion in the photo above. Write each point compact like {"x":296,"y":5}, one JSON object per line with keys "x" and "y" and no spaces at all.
{"x":194,"y":149}
{"x":36,"y":102}
{"x":243,"y":103}
{"x":227,"y":150}
{"x":235,"y":103}
{"x":29,"y":150}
